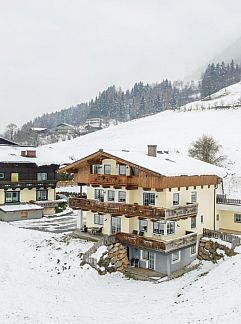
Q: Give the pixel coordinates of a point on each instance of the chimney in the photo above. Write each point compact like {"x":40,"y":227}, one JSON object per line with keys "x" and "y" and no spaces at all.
{"x":31,"y":153}
{"x":23,"y":153}
{"x":152,"y":150}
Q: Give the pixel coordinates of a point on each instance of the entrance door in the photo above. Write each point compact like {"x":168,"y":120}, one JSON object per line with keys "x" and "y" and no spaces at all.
{"x":151,"y":263}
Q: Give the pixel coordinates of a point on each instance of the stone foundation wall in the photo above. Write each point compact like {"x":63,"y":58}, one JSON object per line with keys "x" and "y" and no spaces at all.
{"x":213,"y":251}
{"x":114,"y":259}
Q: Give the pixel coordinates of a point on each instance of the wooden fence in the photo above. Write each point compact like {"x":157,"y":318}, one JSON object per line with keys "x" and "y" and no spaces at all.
{"x":227,"y":237}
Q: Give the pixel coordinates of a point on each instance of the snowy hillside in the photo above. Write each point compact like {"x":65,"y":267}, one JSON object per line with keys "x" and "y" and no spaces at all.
{"x":42,"y":283}
{"x":170,"y":130}
{"x":229,"y":96}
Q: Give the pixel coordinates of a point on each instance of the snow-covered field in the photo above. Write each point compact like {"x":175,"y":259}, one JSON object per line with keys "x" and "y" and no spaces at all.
{"x":42,"y":283}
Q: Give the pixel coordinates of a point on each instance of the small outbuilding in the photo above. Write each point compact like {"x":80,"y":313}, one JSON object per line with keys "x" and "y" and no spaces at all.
{"x":9,"y":213}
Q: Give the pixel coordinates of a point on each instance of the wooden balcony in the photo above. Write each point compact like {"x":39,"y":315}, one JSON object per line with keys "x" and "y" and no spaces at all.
{"x":106,"y":180}
{"x":157,"y":245}
{"x":27,"y":184}
{"x":179,"y":211}
{"x":221,"y":199}
{"x":134,"y":210}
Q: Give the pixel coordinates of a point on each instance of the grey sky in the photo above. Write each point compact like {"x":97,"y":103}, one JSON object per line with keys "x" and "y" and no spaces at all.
{"x":56,"y":53}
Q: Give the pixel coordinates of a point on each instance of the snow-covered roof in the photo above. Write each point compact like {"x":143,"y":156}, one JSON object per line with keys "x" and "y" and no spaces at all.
{"x":170,"y":164}
{"x":44,"y":155}
{"x":166,"y":164}
{"x":21,"y":207}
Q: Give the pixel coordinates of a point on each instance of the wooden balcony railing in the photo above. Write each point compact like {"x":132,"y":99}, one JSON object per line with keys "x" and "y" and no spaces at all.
{"x":113,"y":180}
{"x":179,"y":211}
{"x":221,"y":199}
{"x":133,"y":210}
{"x":27,"y":184}
{"x":157,"y":245}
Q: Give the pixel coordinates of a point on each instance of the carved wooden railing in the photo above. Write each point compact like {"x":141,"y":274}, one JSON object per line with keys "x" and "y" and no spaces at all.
{"x":133,"y":210}
{"x":221,"y":199}
{"x":180,"y":211}
{"x":113,"y":180}
{"x":158,"y":245}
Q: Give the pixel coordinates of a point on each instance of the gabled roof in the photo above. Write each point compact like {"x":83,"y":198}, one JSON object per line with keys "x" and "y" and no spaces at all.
{"x":4,"y":141}
{"x":166,"y":164}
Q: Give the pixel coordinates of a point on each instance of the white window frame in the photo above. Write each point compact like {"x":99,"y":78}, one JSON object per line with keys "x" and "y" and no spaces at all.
{"x":119,"y":199}
{"x":96,"y":167}
{"x":108,"y":198}
{"x":170,"y":225}
{"x":11,"y":200}
{"x":194,"y":217}
{"x":142,"y":255}
{"x":141,"y":226}
{"x":193,"y":197}
{"x":179,"y":257}
{"x":104,"y":169}
{"x":40,"y":196}
{"x":163,"y":228}
{"x":98,"y":219}
{"x":2,"y":175}
{"x":100,"y":196}
{"x":119,"y":169}
{"x":176,"y":202}
{"x":237,"y":216}
{"x":42,"y":176}
{"x":191,"y":252}
{"x":149,"y":194}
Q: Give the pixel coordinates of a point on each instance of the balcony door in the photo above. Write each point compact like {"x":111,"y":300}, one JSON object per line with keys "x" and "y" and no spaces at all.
{"x":115,"y":225}
{"x":151,"y":259}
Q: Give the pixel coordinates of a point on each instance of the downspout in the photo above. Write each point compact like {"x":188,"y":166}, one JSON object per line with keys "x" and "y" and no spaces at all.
{"x":214,"y":211}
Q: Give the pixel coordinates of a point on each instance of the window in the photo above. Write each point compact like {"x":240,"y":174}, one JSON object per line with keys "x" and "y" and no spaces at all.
{"x":143,"y":225}
{"x":98,"y":219}
{"x":122,"y":170}
{"x":237,"y":218}
{"x":99,"y":194}
{"x":193,"y":196}
{"x":193,"y":249}
{"x":96,"y":168}
{"x":111,"y":195}
{"x":121,"y":196}
{"x":115,"y":225}
{"x":176,"y":257}
{"x":159,"y":228}
{"x":2,"y":175}
{"x":42,"y":194}
{"x":217,"y":217}
{"x":12,"y":196}
{"x":193,"y":222}
{"x":107,"y":169}
{"x":149,"y":199}
{"x":144,"y":255}
{"x":42,"y":176}
{"x":202,"y":219}
{"x":14,"y":177}
{"x":170,"y":228}
{"x":176,"y":199}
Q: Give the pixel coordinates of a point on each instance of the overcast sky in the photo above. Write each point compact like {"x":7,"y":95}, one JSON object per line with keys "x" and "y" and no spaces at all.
{"x":57,"y":53}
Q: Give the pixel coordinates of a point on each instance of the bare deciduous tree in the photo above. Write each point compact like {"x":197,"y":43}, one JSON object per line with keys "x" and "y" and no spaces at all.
{"x":207,"y":149}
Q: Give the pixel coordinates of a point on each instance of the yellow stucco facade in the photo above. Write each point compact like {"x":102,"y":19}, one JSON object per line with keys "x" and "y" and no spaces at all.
{"x":205,"y":197}
{"x":228,"y":219}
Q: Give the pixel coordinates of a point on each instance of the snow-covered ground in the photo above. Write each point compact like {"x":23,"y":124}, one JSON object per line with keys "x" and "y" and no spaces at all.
{"x":229,"y":96}
{"x":42,"y":283}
